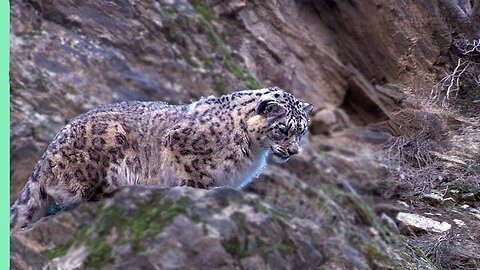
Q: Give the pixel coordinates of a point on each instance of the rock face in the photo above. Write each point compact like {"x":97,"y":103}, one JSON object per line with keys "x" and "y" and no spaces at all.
{"x":184,"y":228}
{"x":367,"y":66}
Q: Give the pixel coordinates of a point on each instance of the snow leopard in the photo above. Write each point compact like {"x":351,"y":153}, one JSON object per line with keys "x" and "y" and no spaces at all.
{"x":214,"y":142}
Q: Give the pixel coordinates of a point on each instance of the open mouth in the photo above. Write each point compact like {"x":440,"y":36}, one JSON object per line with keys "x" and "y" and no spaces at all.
{"x":280,"y":156}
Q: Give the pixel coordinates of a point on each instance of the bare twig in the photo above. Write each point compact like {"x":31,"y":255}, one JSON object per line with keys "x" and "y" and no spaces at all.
{"x":467,"y":66}
{"x":467,"y":46}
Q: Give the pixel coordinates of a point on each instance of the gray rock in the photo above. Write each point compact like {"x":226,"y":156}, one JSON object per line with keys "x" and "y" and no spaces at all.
{"x":180,"y":228}
{"x":433,"y":198}
{"x":415,"y":222}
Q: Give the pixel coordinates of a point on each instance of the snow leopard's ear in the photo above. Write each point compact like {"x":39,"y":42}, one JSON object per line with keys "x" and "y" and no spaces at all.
{"x":270,"y":108}
{"x":307,"y":108}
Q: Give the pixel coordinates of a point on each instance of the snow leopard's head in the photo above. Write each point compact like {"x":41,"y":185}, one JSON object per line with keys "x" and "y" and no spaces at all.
{"x":280,"y":121}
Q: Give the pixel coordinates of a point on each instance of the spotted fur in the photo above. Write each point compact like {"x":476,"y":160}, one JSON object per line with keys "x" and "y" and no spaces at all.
{"x":213,"y":142}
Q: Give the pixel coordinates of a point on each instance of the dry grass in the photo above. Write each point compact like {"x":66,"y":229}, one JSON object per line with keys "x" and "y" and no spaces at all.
{"x":413,"y":151}
{"x":410,"y":153}
{"x":415,"y":136}
{"x":407,"y":182}
{"x":442,"y":249}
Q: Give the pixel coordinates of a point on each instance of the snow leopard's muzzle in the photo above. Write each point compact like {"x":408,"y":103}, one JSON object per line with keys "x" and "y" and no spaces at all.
{"x":282,"y":153}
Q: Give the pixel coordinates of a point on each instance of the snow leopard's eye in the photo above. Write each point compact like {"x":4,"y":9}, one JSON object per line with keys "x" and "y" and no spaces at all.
{"x":302,"y":131}
{"x":280,"y":132}
{"x":282,"y":129}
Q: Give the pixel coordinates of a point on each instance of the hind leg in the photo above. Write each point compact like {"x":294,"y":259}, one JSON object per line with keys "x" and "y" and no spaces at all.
{"x":29,"y":207}
{"x":66,"y":196}
{"x":82,"y":180}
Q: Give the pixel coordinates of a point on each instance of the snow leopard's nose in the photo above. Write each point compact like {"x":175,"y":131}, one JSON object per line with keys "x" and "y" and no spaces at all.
{"x":293,"y":149}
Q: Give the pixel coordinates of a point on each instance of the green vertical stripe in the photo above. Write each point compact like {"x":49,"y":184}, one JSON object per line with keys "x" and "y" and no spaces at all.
{"x":4,"y":133}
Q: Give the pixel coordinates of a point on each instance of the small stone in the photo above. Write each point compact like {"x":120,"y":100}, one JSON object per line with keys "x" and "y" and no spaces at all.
{"x":323,"y":121}
{"x":468,"y":196}
{"x":459,"y":222}
{"x":433,"y":198}
{"x":73,"y":259}
{"x":465,"y":206}
{"x":329,"y":120}
{"x":433,"y":214}
{"x":402,"y":203}
{"x":475,"y":213}
{"x":416,"y":222}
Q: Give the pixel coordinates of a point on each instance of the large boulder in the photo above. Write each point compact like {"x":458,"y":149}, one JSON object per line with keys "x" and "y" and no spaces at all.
{"x":186,"y":228}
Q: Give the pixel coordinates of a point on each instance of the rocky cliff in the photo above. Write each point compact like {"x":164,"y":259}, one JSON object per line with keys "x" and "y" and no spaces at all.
{"x":396,"y":129}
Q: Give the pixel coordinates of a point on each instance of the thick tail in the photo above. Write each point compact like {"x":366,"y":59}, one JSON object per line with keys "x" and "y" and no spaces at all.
{"x":30,"y":206}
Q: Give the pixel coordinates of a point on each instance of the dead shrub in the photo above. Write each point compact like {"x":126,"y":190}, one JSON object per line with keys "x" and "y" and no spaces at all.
{"x":409,"y":153}
{"x":414,"y":151}
{"x":415,"y":135}
{"x":465,"y":74}
{"x":407,"y":182}
{"x":443,"y":250}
